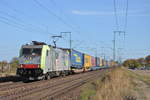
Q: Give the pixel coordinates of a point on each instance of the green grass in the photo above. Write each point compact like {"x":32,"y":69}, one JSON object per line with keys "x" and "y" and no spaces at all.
{"x":89,"y":91}
{"x":116,"y":85}
{"x":110,"y":86}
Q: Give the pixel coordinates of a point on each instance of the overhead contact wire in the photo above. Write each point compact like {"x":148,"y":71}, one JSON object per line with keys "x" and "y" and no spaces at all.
{"x":116,"y":16}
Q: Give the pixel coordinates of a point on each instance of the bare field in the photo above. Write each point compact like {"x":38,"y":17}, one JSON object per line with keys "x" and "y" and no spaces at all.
{"x":142,"y":72}
{"x":142,"y":84}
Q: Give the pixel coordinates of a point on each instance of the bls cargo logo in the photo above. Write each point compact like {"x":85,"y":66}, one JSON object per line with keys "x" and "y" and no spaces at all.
{"x":78,"y":59}
{"x":26,"y":61}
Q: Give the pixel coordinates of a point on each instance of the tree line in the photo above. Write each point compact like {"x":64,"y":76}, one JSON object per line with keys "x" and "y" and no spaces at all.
{"x":137,"y":63}
{"x":9,"y":66}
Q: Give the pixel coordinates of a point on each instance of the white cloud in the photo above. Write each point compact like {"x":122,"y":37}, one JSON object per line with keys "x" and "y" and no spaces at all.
{"x":78,"y":12}
{"x":140,"y":15}
{"x":109,"y":13}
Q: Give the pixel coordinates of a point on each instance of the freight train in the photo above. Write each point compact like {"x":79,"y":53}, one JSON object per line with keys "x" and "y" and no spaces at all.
{"x":41,"y":61}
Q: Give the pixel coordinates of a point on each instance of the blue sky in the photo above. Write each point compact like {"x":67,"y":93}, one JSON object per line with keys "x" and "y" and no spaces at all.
{"x":91,"y":22}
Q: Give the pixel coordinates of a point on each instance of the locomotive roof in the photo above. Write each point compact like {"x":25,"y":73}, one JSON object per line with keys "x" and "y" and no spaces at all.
{"x":32,"y":46}
{"x":59,"y":47}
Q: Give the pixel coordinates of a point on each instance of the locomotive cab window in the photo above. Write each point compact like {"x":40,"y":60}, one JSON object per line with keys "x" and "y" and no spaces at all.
{"x":26,"y":51}
{"x":31,"y":51}
{"x":37,"y":51}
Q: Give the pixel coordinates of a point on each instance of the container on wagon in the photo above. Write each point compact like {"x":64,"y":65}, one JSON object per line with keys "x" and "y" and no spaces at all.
{"x":87,"y":61}
{"x":97,"y":61}
{"x":109,"y":63}
{"x":101,"y":62}
{"x":93,"y":60}
{"x":77,"y":59}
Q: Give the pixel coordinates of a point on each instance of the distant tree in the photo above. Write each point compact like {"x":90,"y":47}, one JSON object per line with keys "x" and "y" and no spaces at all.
{"x":131,"y":63}
{"x":147,"y":61}
{"x":14,"y":62}
{"x":2,"y":65}
{"x":141,"y":61}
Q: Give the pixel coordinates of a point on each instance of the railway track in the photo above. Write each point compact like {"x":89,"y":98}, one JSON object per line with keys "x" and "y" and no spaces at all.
{"x":18,"y":87}
{"x":10,"y":85}
{"x":49,"y":89}
{"x":57,"y":91}
{"x":9,"y":81}
{"x":5,"y":84}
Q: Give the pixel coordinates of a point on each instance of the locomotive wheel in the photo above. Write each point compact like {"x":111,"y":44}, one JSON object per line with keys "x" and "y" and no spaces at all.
{"x":47,"y":77}
{"x":63,"y":74}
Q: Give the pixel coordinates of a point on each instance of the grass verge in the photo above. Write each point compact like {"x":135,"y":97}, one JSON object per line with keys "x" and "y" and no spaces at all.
{"x":117,"y":84}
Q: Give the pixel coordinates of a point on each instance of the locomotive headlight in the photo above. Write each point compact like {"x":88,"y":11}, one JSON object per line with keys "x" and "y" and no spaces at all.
{"x":38,"y":66}
{"x":21,"y":66}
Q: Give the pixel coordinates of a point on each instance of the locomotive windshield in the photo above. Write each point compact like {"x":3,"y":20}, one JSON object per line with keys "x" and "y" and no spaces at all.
{"x":31,"y":51}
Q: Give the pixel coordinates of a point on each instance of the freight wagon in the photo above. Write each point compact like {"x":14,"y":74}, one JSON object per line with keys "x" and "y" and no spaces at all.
{"x":87,"y":61}
{"x":76,"y":59}
{"x":93,"y":61}
{"x":101,"y":62}
{"x":97,"y":61}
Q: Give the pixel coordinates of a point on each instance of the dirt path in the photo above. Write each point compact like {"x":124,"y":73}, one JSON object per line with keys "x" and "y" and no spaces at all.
{"x":142,"y":84}
{"x":142,"y":72}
